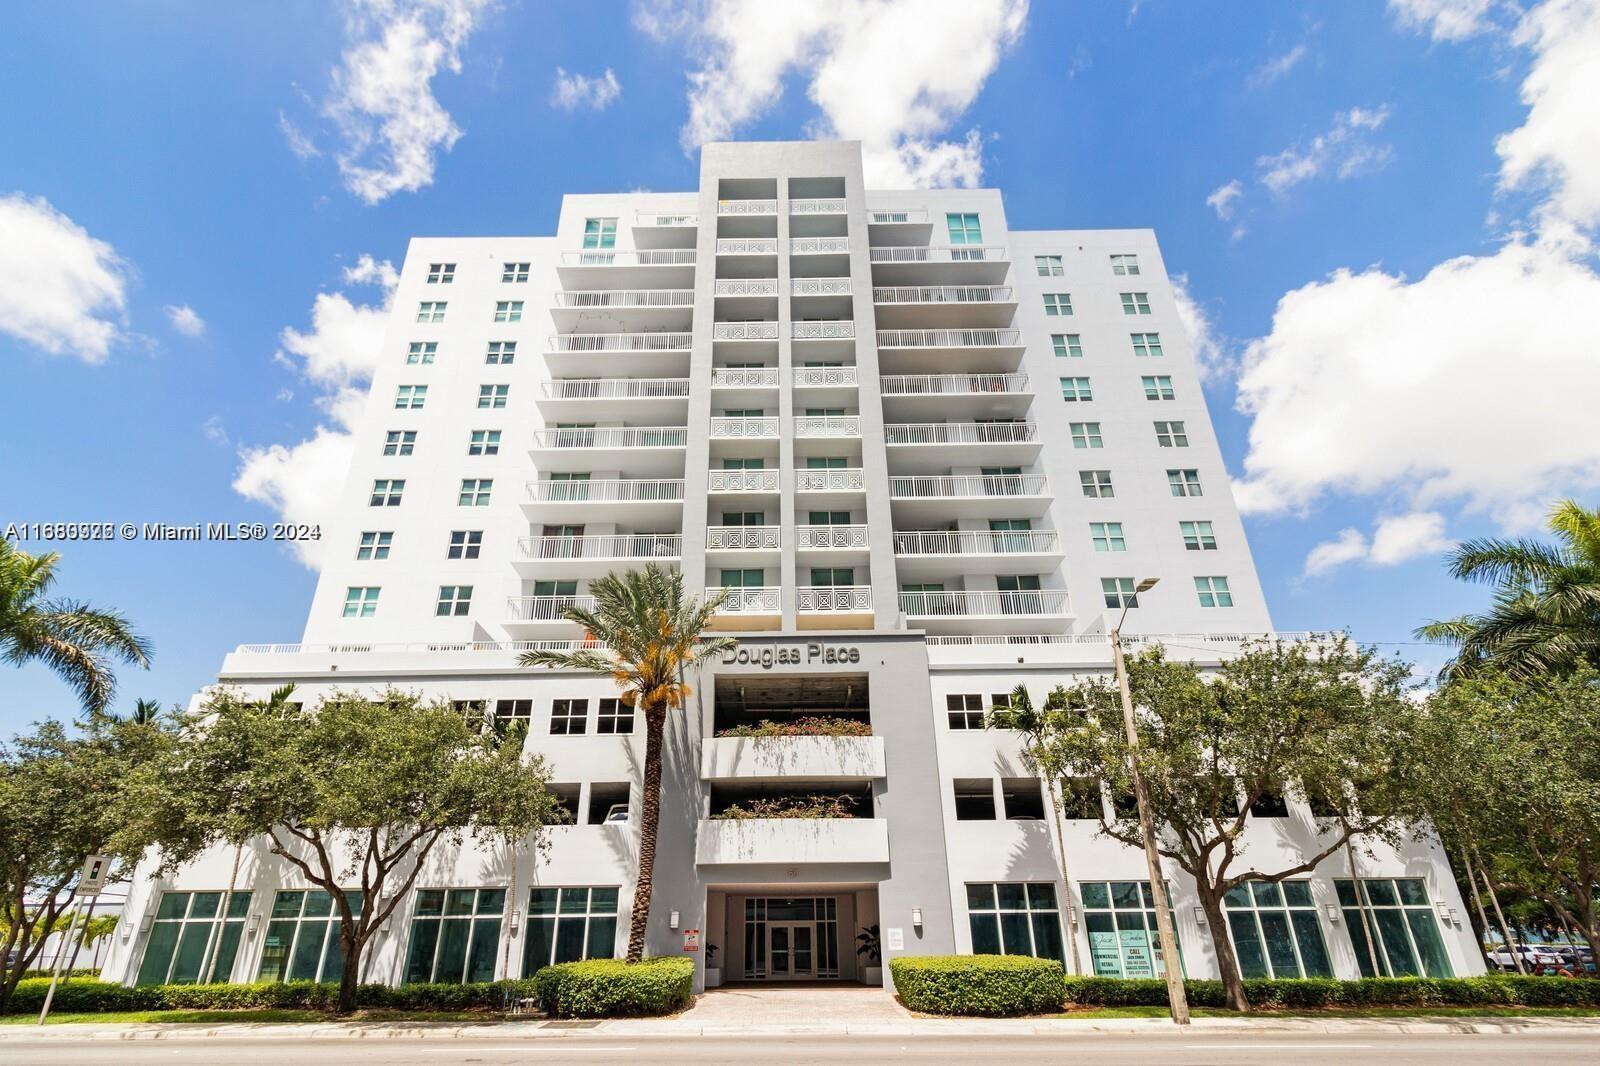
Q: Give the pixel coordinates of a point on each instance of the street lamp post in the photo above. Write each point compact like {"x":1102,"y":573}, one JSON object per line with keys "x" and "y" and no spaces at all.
{"x":1177,"y":1001}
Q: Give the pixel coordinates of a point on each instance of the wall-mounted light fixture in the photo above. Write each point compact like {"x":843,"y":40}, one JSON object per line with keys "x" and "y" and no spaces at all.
{"x":1072,"y":915}
{"x":1333,"y":911}
{"x":1200,"y":916}
{"x":916,"y":917}
{"x":672,"y":920}
{"x":516,"y":921}
{"x":146,"y":922}
{"x":252,"y":925}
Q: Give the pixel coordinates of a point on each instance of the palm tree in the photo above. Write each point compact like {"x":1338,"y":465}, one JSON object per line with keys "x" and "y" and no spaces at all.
{"x":1546,"y":612}
{"x":74,"y":639}
{"x":648,"y":635}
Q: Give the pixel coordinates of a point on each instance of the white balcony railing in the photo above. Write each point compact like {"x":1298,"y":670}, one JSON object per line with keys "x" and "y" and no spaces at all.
{"x":747,"y":246}
{"x":746,"y":287}
{"x":611,"y":490}
{"x":745,"y":378}
{"x":960,"y":433}
{"x":758,"y":599}
{"x":829,"y":205}
{"x":963,"y":486}
{"x":615,"y":388}
{"x":545,"y":608}
{"x":813,"y":426}
{"x":742,"y":538}
{"x":920,"y":254}
{"x":977,"y":542}
{"x":833,"y":598}
{"x":622,"y":298}
{"x":949,"y":338}
{"x":897,"y":216}
{"x":744,"y":331}
{"x":818,"y":245}
{"x":822,"y":377}
{"x":942,"y":294}
{"x":747,"y":207}
{"x":742,"y":481}
{"x":631,"y":257}
{"x":935,"y":604}
{"x":831,"y":538}
{"x":820,"y":287}
{"x":612,"y":437}
{"x":621,"y":342}
{"x":604,"y":546}
{"x":837,"y":479}
{"x":822,"y":331}
{"x":951,"y":384}
{"x":734,"y":428}
{"x":658,"y":218}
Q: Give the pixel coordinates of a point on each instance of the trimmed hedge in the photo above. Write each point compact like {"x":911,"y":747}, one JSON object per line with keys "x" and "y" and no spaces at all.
{"x":613,"y":988}
{"x":98,"y":997}
{"x":990,"y":986}
{"x":1316,"y":993}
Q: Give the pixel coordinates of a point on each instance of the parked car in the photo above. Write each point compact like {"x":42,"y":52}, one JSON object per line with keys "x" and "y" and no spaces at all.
{"x":1578,"y":959}
{"x":617,"y":813}
{"x":1534,"y":960}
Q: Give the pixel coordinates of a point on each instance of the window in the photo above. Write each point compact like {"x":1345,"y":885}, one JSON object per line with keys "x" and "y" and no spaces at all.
{"x":421,"y":353}
{"x":1171,"y":435}
{"x":514,"y":271}
{"x":455,"y":935}
{"x":1136,"y":303}
{"x":1107,"y":536}
{"x":374,"y":546}
{"x":1081,"y":800}
{"x":1096,"y":484}
{"x":1015,"y":918}
{"x":974,"y":799}
{"x":1120,"y":918}
{"x":493,"y":396}
{"x":454,"y":601}
{"x":569,"y":718}
{"x":183,"y":946}
{"x":1075,"y":389}
{"x":1197,"y":536}
{"x":441,"y":273}
{"x":1184,"y":482}
{"x":484,"y":442}
{"x":614,"y":716}
{"x":1058,"y":303}
{"x":360,"y":601}
{"x":1213,"y":591}
{"x":511,"y":713}
{"x":1275,"y":930}
{"x":1067,"y":345}
{"x":1022,"y":799}
{"x":508,"y":311}
{"x":1118,"y":592}
{"x":964,"y":711}
{"x":399,"y":442}
{"x":599,"y":233}
{"x":1124,"y":265}
{"x":475,"y":491}
{"x":1157,"y":388}
{"x":832,"y":576}
{"x":569,"y":925}
{"x":1048,"y":266}
{"x":1086,"y":435}
{"x":302,"y":941}
{"x":964,"y":230}
{"x":465,"y":544}
{"x":1146,"y":344}
{"x":743,"y":579}
{"x":386,"y":493}
{"x":431,"y":311}
{"x":1403,"y":925}
{"x":501,"y":353}
{"x":410,"y":397}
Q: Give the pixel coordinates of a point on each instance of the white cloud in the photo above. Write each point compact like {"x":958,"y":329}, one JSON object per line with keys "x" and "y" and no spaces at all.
{"x":301,"y":482}
{"x":370,"y":271}
{"x":184,"y":320}
{"x":1344,"y":150}
{"x":214,"y":430}
{"x":1277,"y":67}
{"x":1348,"y":546}
{"x":300,"y":143}
{"x":1222,"y":198}
{"x":1209,"y":348}
{"x":382,"y":97}
{"x":1395,"y":539}
{"x":572,"y":91}
{"x":895,"y":74}
{"x":61,"y":290}
{"x":1445,"y":20}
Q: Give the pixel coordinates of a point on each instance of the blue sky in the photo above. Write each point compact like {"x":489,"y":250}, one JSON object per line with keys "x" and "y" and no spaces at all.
{"x":1398,"y":301}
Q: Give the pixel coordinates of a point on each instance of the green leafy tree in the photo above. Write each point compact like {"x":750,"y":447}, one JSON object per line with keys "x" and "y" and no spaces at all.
{"x":651,"y":633}
{"x":354,"y":793}
{"x":1216,"y":750}
{"x":1545,"y":616}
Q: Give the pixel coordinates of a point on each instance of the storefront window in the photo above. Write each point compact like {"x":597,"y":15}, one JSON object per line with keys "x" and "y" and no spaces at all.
{"x":568,"y":924}
{"x":183,"y":936}
{"x":1015,"y":918}
{"x":302,"y":941}
{"x":1275,"y":930}
{"x":1404,"y":927}
{"x":1121,"y":921}
{"x":455,"y":934}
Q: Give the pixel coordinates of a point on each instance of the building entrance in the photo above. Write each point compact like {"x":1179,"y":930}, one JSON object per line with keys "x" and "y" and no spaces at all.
{"x":791,"y":938}
{"x":790,"y":951}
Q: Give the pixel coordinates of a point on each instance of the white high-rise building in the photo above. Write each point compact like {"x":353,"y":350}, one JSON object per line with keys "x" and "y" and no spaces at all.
{"x":930,"y":455}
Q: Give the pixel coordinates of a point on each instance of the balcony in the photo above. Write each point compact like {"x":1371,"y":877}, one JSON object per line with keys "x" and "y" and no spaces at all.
{"x":645,"y":352}
{"x":741,"y":539}
{"x":664,"y":399}
{"x":825,"y":377}
{"x":897,"y":216}
{"x":543,"y":613}
{"x":829,"y":758}
{"x":819,"y":246}
{"x":841,"y":544}
{"x":593,"y":556}
{"x":640,"y":449}
{"x":925,"y":447}
{"x":834,"y":606}
{"x":983,"y":612}
{"x":791,"y":841}
{"x":908,"y":265}
{"x":744,"y":331}
{"x":821,"y":287}
{"x":642,"y":268}
{"x":940,"y":498}
{"x":652,"y":500}
{"x":944,"y":305}
{"x":910,"y":350}
{"x":745,"y":378}
{"x":829,"y":481}
{"x":747,"y":608}
{"x":747,"y":207}
{"x":830,"y":205}
{"x":826,"y":427}
{"x":747,"y":246}
{"x":636,"y":309}
{"x":734,"y":428}
{"x":920,"y":554}
{"x":746,"y":287}
{"x":663,"y":220}
{"x":749,"y":482}
{"x":967,"y":395}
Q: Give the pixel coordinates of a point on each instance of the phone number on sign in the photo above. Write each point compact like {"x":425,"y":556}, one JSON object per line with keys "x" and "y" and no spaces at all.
{"x":159,"y":531}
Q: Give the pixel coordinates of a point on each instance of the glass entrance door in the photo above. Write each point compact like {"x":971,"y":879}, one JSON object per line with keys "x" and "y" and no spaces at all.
{"x":790,"y":951}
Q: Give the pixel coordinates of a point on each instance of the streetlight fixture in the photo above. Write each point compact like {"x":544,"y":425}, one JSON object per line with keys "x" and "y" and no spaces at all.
{"x":1177,"y":1001}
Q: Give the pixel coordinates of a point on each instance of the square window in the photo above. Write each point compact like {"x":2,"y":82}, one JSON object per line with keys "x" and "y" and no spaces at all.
{"x":1048,"y":266}
{"x":1118,"y":592}
{"x":599,"y":233}
{"x":441,"y":273}
{"x":1074,"y":390}
{"x":475,"y":491}
{"x":1197,"y":536}
{"x":465,"y":544}
{"x":399,"y":441}
{"x":1124,"y":264}
{"x":1107,"y":536}
{"x":514,"y":272}
{"x":1058,"y":303}
{"x":569,"y":718}
{"x":1171,"y":435}
{"x":484,"y":442}
{"x":1086,"y":435}
{"x":410,"y":397}
{"x":1158,"y":387}
{"x":386,"y":493}
{"x":493,"y":397}
{"x":374,"y":545}
{"x":421,"y":353}
{"x":964,"y":711}
{"x":1096,"y":484}
{"x":1213,"y":591}
{"x":501,"y":353}
{"x":614,"y":716}
{"x":361,"y":601}
{"x":1135,"y":303}
{"x":454,"y":601}
{"x":508,"y":311}
{"x":974,"y":800}
{"x":1146,"y":344}
{"x":1066,"y":345}
{"x":1184,"y":482}
{"x":963,"y":228}
{"x":431,"y":311}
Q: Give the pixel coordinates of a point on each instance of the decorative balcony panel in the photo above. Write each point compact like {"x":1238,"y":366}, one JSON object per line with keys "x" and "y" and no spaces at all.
{"x":616,"y":490}
{"x":951,"y":384}
{"x":604,"y":546}
{"x":761,"y":599}
{"x":823,"y":377}
{"x":813,"y":426}
{"x":941,"y":294}
{"x":818,"y":245}
{"x":725,"y":428}
{"x":830,"y":538}
{"x":621,"y":342}
{"x":742,"y":481}
{"x":656,"y":218}
{"x":949,"y":338}
{"x":821,"y":287}
{"x":545,"y":608}
{"x":747,"y":246}
{"x":852,"y":599}
{"x":632,"y":257}
{"x":601,"y":299}
{"x":962,"y":486}
{"x":615,"y":388}
{"x":961,"y":433}
{"x":613,"y":437}
{"x":897,"y":216}
{"x":834,"y":480}
{"x":746,"y":287}
{"x":942,"y":604}
{"x":922,"y":254}
{"x":822,"y":206}
{"x":744,"y":331}
{"x":745,"y":378}
{"x":747,"y":207}
{"x":742,"y":538}
{"x":822,"y":331}
{"x":977,"y":542}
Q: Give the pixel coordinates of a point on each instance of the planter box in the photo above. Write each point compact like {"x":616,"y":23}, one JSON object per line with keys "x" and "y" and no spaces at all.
{"x":791,"y":841}
{"x":734,"y":758}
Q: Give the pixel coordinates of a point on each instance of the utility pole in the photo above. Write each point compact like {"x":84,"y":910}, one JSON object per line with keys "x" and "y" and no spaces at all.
{"x":1177,"y":999}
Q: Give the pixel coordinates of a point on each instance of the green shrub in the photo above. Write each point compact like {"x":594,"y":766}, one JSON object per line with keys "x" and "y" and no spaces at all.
{"x":989,"y":986}
{"x":818,"y":806}
{"x":816,"y":726}
{"x":612,"y":988}
{"x":1320,"y":993}
{"x":99,"y":997}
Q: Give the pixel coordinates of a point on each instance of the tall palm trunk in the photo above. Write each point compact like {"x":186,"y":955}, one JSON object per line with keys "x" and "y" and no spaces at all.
{"x":655,"y":720}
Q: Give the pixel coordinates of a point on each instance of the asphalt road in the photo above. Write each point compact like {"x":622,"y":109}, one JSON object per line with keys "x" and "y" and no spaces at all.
{"x":1102,"y":1049}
